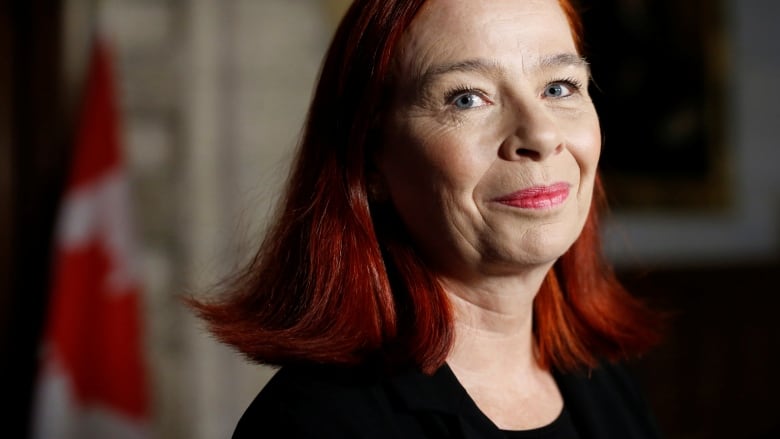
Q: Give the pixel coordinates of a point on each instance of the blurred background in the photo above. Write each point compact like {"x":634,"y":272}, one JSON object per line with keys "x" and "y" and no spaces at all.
{"x":210,"y":99}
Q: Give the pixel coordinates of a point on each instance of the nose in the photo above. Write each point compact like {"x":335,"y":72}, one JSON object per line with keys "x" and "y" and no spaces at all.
{"x":534,"y":134}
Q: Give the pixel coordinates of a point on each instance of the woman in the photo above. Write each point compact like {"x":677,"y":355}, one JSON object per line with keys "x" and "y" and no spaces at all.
{"x":434,"y":268}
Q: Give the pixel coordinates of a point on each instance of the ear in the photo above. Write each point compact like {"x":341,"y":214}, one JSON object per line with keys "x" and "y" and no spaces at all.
{"x":376,"y":186}
{"x":375,"y":181}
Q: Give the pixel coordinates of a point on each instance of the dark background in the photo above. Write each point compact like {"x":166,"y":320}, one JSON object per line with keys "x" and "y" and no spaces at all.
{"x":716,"y":373}
{"x":661,"y":71}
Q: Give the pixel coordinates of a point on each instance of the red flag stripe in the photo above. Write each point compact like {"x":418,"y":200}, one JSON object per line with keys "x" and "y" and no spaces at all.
{"x":93,"y":379}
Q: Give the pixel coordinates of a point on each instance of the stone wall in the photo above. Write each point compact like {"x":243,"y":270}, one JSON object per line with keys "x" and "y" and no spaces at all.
{"x":213,"y":95}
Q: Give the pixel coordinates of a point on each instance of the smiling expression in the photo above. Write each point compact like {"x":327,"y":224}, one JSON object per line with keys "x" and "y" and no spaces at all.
{"x":491,"y":141}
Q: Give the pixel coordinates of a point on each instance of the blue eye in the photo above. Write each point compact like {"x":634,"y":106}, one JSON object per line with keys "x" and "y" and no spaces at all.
{"x":556,"y":91}
{"x":560,"y":89}
{"x":468,"y":100}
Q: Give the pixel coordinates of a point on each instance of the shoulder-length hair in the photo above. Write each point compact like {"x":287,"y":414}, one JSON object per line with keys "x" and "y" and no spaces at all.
{"x":336,"y":279}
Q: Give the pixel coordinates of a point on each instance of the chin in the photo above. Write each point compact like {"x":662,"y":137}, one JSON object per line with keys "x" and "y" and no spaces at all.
{"x":545,"y":250}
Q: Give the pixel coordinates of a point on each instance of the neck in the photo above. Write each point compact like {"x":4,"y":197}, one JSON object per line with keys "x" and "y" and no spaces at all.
{"x":493,"y":324}
{"x":493,"y":354}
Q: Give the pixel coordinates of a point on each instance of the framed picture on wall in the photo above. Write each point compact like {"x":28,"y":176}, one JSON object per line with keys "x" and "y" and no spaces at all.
{"x":659,"y":70}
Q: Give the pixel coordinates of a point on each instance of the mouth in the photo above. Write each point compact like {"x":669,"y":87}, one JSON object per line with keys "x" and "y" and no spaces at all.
{"x":537,"y":197}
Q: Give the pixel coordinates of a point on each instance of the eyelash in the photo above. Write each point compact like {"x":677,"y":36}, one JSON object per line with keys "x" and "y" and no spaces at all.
{"x":460,"y":90}
{"x":574,"y":83}
{"x":453,"y":93}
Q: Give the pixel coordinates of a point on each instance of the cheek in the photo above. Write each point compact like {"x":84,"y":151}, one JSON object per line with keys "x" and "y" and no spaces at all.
{"x":410,"y":171}
{"x":438,"y":160}
{"x":585,"y":146}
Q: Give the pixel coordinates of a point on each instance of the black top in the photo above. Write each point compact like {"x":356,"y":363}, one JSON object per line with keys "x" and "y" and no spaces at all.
{"x":561,"y":428}
{"x":332,"y":402}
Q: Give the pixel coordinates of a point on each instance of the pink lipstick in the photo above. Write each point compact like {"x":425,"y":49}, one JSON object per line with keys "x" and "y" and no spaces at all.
{"x":537,"y":197}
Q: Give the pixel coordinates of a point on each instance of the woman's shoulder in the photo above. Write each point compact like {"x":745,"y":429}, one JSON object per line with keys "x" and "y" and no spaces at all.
{"x":310,"y":400}
{"x":607,"y":401}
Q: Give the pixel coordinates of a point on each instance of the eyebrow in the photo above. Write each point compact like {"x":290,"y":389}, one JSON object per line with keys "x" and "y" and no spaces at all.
{"x":494,"y":68}
{"x":469,"y":65}
{"x":564,"y":60}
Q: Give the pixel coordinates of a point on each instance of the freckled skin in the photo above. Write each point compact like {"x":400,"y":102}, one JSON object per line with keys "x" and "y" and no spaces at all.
{"x":445,"y":163}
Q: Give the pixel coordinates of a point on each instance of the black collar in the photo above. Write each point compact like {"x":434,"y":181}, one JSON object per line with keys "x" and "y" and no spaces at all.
{"x":443,"y":405}
{"x":596,"y":401}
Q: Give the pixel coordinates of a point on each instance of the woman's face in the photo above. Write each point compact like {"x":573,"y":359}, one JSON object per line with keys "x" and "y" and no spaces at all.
{"x":491,"y":143}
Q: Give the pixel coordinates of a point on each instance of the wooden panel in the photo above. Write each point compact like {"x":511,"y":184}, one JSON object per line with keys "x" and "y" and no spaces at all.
{"x":716,"y":374}
{"x":37,"y":156}
{"x":6,"y":175}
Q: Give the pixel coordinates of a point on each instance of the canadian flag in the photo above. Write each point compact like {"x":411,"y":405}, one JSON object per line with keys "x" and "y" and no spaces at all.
{"x":92,"y":379}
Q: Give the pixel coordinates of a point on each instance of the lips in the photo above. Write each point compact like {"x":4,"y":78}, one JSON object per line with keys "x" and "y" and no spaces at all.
{"x":537,"y":197}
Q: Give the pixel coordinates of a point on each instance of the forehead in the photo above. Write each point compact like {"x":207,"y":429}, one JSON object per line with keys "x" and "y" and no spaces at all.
{"x":451,"y":30}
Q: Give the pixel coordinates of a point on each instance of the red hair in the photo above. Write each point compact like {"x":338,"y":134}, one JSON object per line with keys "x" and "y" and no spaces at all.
{"x":336,"y":279}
